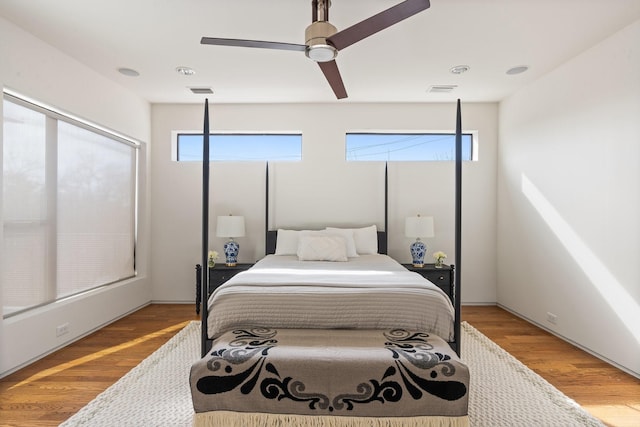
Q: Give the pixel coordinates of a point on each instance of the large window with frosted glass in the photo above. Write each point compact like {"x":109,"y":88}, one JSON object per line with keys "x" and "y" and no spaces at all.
{"x":69,"y":193}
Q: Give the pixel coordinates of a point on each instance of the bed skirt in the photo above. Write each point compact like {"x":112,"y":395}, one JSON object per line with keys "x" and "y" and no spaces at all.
{"x":241,"y":419}
{"x":330,"y":378}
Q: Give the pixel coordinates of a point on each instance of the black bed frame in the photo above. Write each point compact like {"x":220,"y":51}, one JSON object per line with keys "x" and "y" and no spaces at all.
{"x":271,"y":235}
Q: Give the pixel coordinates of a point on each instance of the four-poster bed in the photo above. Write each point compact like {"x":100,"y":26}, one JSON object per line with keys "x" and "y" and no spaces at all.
{"x":328,"y":326}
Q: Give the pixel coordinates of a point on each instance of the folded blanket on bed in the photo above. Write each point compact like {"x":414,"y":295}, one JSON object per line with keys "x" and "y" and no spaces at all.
{"x":363,"y":373}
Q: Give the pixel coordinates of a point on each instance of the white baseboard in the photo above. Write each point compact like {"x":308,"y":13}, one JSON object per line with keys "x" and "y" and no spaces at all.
{"x":570,"y":341}
{"x":66,"y":343}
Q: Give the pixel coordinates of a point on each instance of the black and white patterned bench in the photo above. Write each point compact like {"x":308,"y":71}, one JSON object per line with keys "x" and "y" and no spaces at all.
{"x":397,"y":374}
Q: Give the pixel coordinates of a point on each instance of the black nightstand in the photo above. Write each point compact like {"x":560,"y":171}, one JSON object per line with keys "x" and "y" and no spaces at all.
{"x":442,"y":277}
{"x":217,"y":276}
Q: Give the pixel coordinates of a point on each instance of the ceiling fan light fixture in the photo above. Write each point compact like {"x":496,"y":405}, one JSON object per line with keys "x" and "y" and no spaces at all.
{"x":321,"y":53}
{"x":316,"y":36}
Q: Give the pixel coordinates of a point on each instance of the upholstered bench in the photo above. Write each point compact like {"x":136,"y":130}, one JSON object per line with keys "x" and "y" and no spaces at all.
{"x":316,"y":377}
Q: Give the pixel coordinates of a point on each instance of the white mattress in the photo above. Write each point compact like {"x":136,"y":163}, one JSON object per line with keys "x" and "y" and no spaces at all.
{"x":367,"y":292}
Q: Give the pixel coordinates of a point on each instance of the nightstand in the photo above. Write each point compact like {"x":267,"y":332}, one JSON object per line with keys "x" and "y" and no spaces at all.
{"x":441,"y":277}
{"x":217,"y":276}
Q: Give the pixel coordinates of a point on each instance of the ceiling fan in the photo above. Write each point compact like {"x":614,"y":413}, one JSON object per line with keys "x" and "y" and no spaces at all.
{"x":323,"y":41}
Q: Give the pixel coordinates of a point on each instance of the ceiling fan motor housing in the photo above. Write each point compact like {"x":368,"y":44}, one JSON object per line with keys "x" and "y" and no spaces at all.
{"x":316,"y":36}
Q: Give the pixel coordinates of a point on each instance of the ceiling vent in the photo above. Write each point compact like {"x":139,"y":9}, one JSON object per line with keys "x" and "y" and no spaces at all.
{"x":201,"y":90}
{"x":441,"y":88}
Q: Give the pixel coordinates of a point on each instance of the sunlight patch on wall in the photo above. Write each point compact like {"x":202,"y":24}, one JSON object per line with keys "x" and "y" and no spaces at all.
{"x":612,"y":291}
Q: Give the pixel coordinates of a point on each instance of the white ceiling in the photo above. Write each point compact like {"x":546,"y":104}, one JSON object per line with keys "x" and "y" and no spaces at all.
{"x":398,"y":64}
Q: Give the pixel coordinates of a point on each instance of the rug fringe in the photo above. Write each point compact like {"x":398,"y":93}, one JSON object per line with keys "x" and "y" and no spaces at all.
{"x":242,"y":419}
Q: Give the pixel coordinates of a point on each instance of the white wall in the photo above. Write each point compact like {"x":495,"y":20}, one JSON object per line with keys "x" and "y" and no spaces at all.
{"x":569,"y":200}
{"x":323,"y":188}
{"x":34,"y":69}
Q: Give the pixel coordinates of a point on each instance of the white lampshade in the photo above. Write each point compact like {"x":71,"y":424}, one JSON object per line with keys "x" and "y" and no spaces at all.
{"x":230,"y":226}
{"x":418,"y":226}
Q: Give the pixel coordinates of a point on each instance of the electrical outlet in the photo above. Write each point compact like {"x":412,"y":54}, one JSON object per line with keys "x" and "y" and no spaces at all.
{"x":62,"y":329}
{"x":552,"y":318}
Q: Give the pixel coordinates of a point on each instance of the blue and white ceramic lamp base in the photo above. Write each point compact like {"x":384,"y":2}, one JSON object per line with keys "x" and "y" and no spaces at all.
{"x":231,"y":249}
{"x":418,"y":249}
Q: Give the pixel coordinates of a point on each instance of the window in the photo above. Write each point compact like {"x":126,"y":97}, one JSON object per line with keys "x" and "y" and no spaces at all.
{"x":406,"y":147}
{"x":69,"y":192}
{"x":240,"y":147}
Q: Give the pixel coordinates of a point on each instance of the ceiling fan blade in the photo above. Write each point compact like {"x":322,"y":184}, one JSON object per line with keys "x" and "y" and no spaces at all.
{"x":377,"y":22}
{"x":252,"y":43}
{"x":331,"y":72}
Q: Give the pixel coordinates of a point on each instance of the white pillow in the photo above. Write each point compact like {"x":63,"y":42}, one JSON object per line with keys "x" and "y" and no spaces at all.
{"x":287,"y":242}
{"x":366,"y":239}
{"x":321,"y":248}
{"x":347,"y":234}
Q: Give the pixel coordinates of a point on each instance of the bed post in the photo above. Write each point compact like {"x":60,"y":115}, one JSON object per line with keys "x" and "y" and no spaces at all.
{"x":266,"y":210}
{"x":386,"y":207}
{"x":205,"y":230}
{"x":458,"y":254}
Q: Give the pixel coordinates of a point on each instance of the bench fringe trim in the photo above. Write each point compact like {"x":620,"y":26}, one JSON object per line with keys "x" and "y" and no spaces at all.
{"x":245,"y":419}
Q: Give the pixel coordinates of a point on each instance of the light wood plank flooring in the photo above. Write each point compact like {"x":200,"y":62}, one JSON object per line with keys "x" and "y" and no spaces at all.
{"x":605,"y":391}
{"x":54,"y":388}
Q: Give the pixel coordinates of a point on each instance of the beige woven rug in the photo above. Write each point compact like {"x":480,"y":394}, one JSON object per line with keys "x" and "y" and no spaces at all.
{"x":504,"y":392}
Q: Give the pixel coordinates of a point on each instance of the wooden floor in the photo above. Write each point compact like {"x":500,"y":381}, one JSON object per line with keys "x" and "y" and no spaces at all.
{"x":605,"y":391}
{"x":54,"y":388}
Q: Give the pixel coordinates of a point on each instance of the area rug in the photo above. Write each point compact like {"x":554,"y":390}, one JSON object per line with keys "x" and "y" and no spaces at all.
{"x":503,"y":391}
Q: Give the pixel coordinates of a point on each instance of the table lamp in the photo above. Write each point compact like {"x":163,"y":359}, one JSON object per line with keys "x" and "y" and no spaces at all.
{"x":230,"y":226}
{"x":417,"y":227}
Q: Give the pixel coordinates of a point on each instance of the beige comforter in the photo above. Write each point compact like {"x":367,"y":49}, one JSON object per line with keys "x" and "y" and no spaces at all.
{"x":368,"y":292}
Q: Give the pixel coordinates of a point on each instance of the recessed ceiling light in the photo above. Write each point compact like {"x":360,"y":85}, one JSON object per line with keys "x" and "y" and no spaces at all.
{"x":459,"y":69}
{"x":128,"y":72}
{"x":517,"y":70}
{"x":185,"y":71}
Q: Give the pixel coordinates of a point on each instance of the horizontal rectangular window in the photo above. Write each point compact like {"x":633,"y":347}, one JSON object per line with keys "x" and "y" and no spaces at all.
{"x":405,"y":147}
{"x":69,"y":213}
{"x":239,"y":147}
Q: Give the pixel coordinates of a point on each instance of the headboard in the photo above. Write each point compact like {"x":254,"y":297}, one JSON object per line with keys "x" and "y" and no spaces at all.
{"x":272,"y":237}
